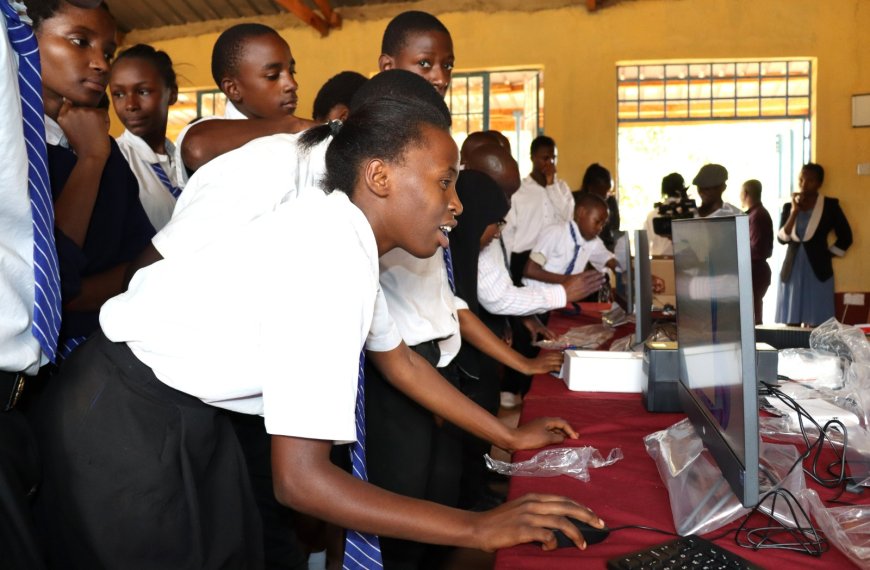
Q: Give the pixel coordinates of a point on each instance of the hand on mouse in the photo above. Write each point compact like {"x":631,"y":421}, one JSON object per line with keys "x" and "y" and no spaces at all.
{"x":541,"y":432}
{"x":532,"y":518}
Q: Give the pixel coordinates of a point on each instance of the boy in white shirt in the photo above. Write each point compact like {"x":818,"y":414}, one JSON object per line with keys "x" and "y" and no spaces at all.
{"x":563,"y":249}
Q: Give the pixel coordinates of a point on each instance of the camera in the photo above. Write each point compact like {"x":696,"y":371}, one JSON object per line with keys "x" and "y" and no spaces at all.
{"x":674,"y":209}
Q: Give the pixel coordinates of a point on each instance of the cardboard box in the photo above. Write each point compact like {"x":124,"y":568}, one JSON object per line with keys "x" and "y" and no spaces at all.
{"x":603,"y":371}
{"x":664,"y":289}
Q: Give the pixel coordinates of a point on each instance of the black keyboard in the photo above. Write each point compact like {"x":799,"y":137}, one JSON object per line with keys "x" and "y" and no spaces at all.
{"x":689,"y":552}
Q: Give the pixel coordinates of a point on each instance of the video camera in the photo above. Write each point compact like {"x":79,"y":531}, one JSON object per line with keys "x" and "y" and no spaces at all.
{"x":673,"y":209}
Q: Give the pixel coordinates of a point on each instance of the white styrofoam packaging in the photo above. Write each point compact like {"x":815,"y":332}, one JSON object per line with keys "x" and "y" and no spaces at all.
{"x":603,"y":371}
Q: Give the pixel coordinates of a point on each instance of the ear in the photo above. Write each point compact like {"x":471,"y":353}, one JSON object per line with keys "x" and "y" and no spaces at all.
{"x":173,"y":95}
{"x":377,"y":177}
{"x":231,"y":89}
{"x":386,"y":62}
{"x":345,"y":112}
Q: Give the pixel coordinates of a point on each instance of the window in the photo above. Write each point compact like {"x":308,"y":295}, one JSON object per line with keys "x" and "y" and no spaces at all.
{"x":192,"y":104}
{"x":714,"y":90}
{"x":511,"y":102}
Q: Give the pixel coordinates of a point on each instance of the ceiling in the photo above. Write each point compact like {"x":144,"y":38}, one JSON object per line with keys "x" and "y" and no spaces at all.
{"x":135,"y":15}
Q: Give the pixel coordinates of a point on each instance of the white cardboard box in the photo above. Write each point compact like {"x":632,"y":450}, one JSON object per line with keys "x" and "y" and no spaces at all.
{"x":603,"y":371}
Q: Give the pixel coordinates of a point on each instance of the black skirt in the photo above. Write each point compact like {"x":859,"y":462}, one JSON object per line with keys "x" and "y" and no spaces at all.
{"x":138,"y":474}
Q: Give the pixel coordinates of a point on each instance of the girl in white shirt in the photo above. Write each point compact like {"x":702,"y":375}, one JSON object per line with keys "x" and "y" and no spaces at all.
{"x":143,"y":86}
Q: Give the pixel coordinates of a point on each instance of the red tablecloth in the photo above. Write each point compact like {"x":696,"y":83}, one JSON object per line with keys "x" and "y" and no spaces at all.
{"x":630,"y":492}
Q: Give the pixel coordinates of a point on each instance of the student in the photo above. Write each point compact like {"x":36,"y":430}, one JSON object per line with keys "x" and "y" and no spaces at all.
{"x":598,"y":180}
{"x":565,"y":249}
{"x":542,"y":199}
{"x":152,"y":383}
{"x":420,"y":43}
{"x":28,"y":286}
{"x":253,"y":66}
{"x":806,"y":280}
{"x":100,"y":223}
{"x":333,"y":99}
{"x":143,"y":86}
{"x":413,"y":452}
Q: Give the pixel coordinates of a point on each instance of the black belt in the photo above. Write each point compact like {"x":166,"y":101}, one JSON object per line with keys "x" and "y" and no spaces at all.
{"x":11,"y":387}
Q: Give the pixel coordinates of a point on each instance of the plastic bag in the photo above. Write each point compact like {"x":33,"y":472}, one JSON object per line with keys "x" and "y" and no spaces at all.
{"x":847,"y":528}
{"x":587,"y":336}
{"x":701,"y":500}
{"x":845,"y":341}
{"x":816,"y":367}
{"x":572,"y":461}
{"x":623,"y":344}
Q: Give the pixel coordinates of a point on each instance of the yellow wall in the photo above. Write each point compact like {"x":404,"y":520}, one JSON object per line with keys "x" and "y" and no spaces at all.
{"x":578,"y":51}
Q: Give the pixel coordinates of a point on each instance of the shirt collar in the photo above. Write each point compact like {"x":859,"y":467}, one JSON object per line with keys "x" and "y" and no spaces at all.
{"x":54,"y":134}
{"x":143,"y":150}
{"x":230,"y":112}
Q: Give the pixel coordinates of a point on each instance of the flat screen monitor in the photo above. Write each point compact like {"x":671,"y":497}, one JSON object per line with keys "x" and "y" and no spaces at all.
{"x":642,"y":287}
{"x":716,"y":344}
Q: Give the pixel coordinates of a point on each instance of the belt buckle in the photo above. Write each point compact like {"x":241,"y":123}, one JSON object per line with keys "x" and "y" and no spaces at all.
{"x":15,"y":392}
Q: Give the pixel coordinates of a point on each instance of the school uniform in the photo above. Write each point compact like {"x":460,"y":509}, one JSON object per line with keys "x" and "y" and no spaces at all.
{"x":182,"y":175}
{"x":562,"y":249}
{"x":497,"y":293}
{"x":534,"y":207}
{"x":178,"y":495}
{"x":118,"y":231}
{"x":156,"y":175}
{"x":20,"y":351}
{"x":408,"y":452}
{"x":241,"y":185}
{"x":806,"y":281}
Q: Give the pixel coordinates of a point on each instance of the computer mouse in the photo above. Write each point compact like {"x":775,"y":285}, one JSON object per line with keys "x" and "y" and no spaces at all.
{"x":590,"y":534}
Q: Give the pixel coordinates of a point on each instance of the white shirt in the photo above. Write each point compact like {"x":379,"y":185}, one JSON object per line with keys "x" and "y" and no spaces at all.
{"x":420,"y":301}
{"x":497,"y":293}
{"x":156,"y":199}
{"x":555,"y":250}
{"x":726,"y":210}
{"x":230,"y":113}
{"x":19,"y":349}
{"x":236,"y":325}
{"x":534,"y":207}
{"x":239,"y":186}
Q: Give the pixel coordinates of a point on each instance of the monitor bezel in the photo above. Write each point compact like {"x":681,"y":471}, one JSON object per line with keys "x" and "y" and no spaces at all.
{"x":742,"y":474}
{"x":642,"y":287}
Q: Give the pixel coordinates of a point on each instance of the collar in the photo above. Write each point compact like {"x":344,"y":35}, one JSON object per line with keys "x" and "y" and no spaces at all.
{"x":144,"y":151}
{"x":230,"y":112}
{"x":813,"y":224}
{"x":54,"y":134}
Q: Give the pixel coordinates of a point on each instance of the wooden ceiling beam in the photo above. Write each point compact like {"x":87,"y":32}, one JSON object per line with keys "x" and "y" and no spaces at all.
{"x":332,"y":17}
{"x":306,"y":14}
{"x":591,"y":5}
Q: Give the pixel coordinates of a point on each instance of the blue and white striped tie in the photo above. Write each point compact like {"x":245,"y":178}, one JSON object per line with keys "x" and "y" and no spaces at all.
{"x":361,"y":551}
{"x":570,"y":269}
{"x":161,"y":174}
{"x":448,"y":263}
{"x":47,"y":302}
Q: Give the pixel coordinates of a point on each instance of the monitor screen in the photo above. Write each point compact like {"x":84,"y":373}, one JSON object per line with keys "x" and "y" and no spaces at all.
{"x":716,"y":340}
{"x":642,"y":287}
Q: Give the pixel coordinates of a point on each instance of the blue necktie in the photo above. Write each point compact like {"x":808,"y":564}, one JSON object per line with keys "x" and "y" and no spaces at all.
{"x":576,"y":249}
{"x":448,"y":263}
{"x":46,"y":302}
{"x":161,"y":174}
{"x":361,"y":551}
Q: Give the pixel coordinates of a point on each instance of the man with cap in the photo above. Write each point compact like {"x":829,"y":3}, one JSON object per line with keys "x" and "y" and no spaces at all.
{"x":710,"y":181}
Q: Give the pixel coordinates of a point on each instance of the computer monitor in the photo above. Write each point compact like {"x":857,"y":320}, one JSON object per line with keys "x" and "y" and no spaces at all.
{"x":642,"y":287}
{"x":716,"y":344}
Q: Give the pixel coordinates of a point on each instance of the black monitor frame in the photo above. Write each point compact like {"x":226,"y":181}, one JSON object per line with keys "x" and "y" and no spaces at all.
{"x":642,"y":287}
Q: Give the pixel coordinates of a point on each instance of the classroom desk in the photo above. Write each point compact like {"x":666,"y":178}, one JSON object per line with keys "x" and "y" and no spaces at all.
{"x":629,"y":492}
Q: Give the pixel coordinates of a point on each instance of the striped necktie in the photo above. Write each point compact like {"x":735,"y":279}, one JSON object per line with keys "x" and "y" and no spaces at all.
{"x":448,"y":263}
{"x":576,"y":249}
{"x":46,"y":302}
{"x":361,"y":551}
{"x":161,"y":174}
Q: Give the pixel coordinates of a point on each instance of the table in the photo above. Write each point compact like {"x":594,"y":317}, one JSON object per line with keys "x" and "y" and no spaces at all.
{"x":629,"y":492}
